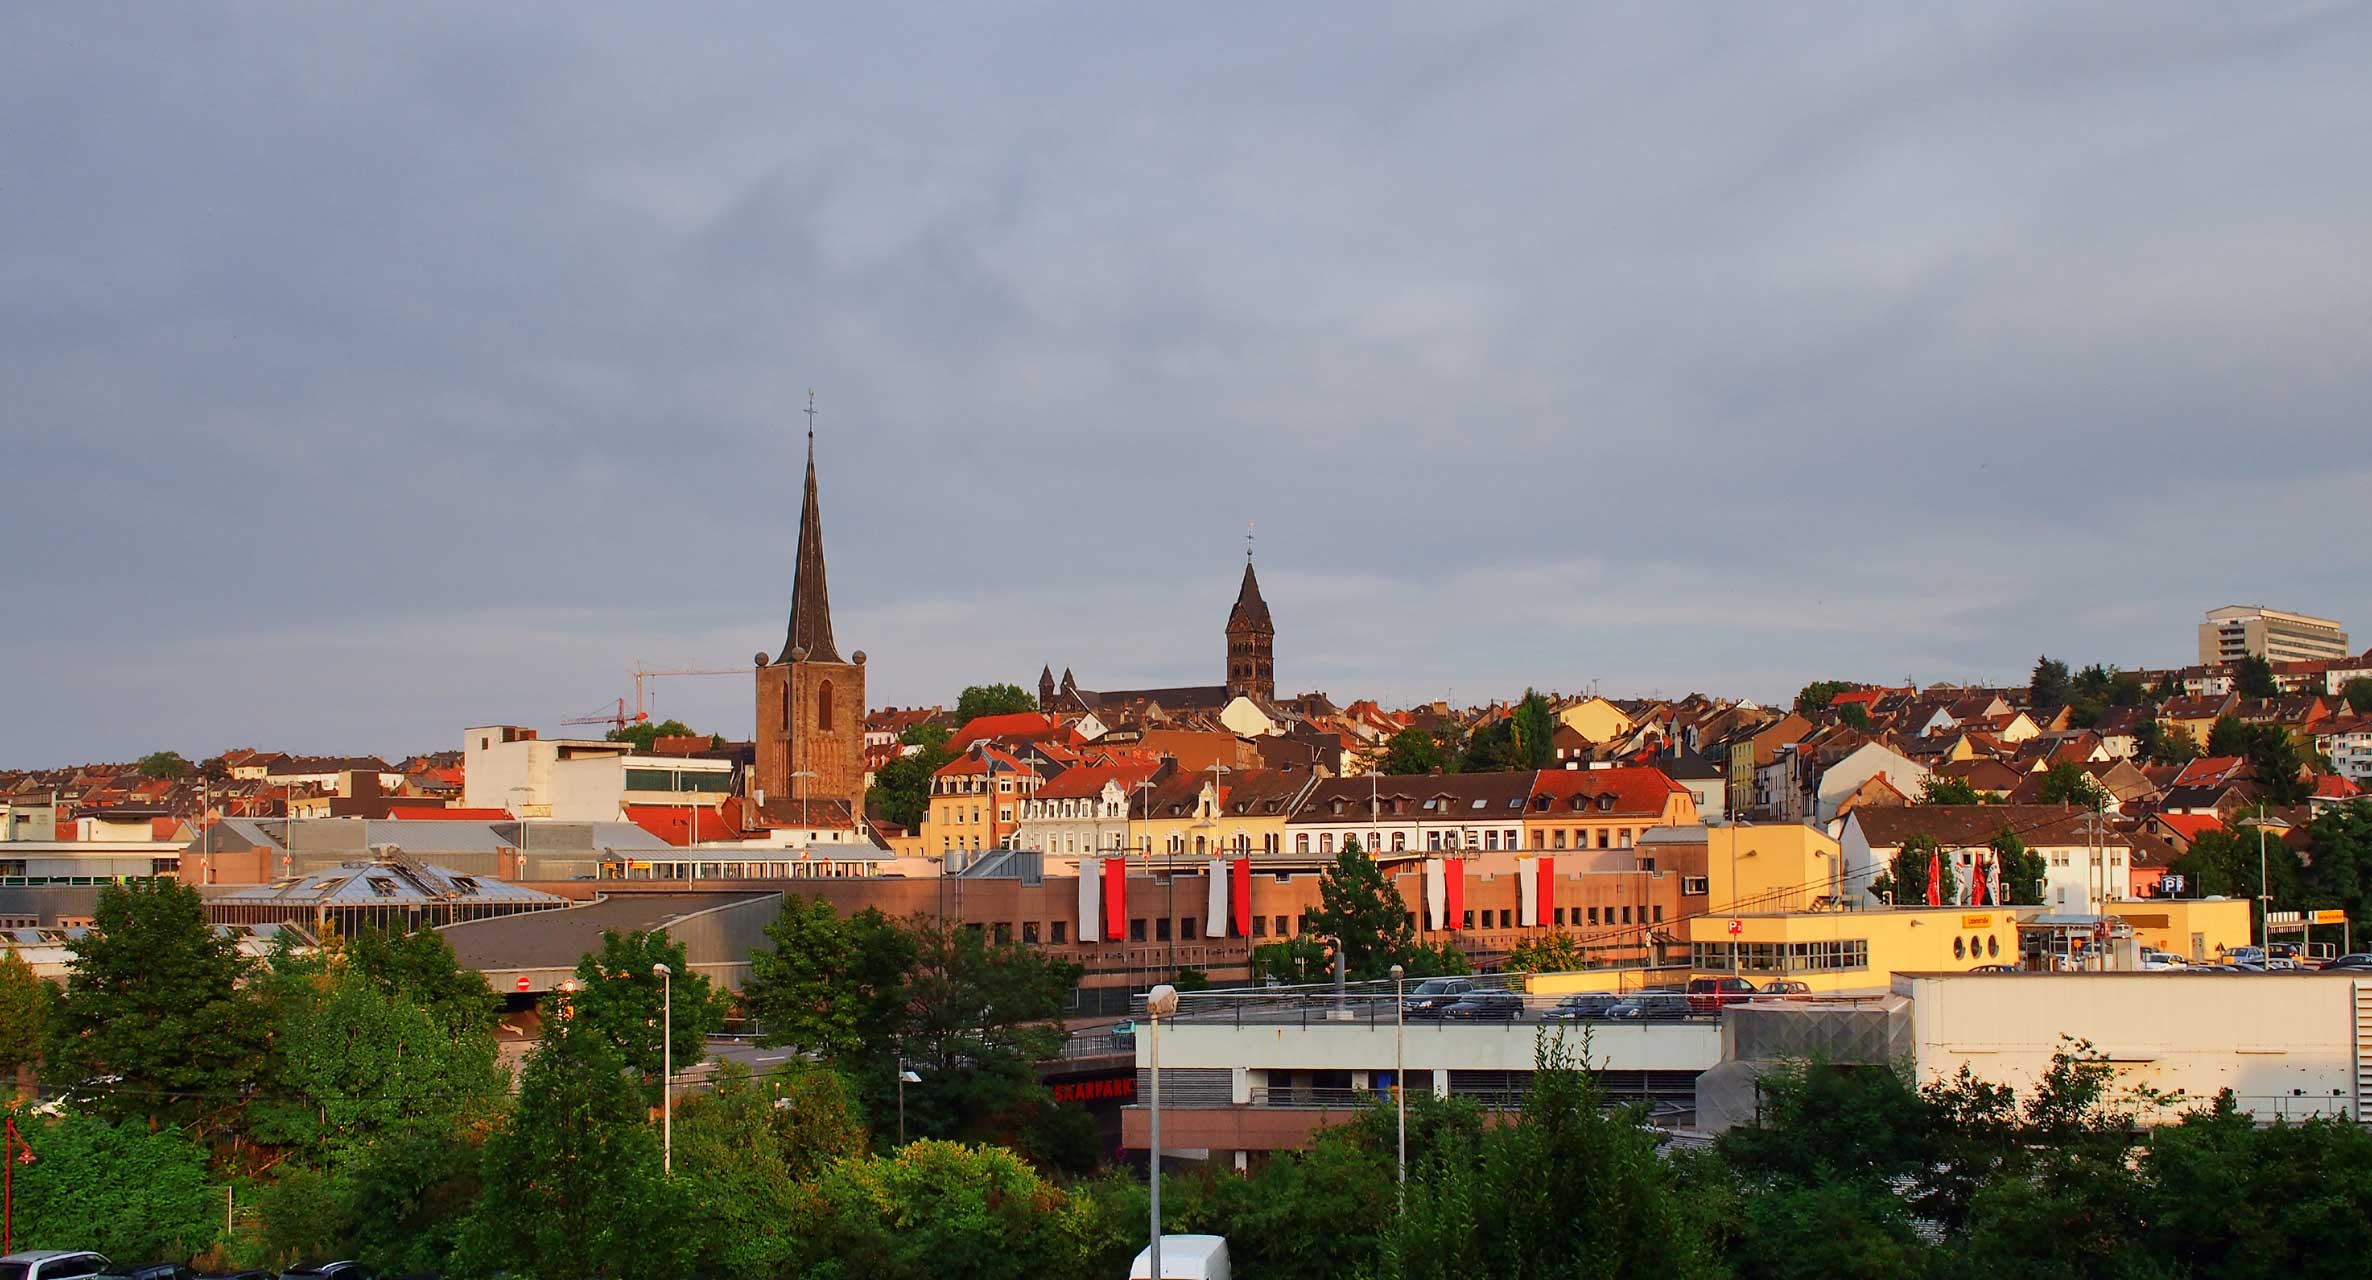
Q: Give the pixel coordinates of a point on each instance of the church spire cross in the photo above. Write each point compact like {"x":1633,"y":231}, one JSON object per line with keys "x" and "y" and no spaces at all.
{"x":809,"y":637}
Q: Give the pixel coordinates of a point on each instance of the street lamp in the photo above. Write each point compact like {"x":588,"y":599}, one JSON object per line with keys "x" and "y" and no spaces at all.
{"x":906,"y":1077}
{"x":802,"y":775}
{"x":667,"y":1066}
{"x":1160,"y":1002}
{"x":1400,"y":1071}
{"x":2264,"y":822}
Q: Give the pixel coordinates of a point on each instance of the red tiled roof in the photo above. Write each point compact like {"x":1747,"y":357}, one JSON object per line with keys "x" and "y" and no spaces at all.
{"x":1637,"y":790}
{"x":2331,"y":786}
{"x":1086,"y":781}
{"x":2208,"y":770}
{"x":674,"y":825}
{"x":2190,"y":826}
{"x":1017,"y":724}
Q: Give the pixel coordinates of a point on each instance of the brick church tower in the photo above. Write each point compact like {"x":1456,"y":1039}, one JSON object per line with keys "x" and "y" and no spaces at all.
{"x":1251,"y":642}
{"x":811,"y":705}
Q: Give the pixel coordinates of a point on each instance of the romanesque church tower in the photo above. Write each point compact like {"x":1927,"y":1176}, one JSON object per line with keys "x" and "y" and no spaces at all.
{"x":811,"y":704}
{"x":1251,"y":642}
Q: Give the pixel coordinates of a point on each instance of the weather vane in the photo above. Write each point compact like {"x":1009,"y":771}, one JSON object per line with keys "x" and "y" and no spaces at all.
{"x":811,"y":414}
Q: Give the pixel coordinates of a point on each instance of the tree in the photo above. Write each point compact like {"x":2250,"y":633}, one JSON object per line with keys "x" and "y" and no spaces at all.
{"x":744,"y":1202}
{"x":620,"y":999}
{"x":2158,"y":746}
{"x":980,"y":1016}
{"x":1816,"y":696}
{"x":1412,"y":751}
{"x":123,"y":1188}
{"x":2022,"y":870}
{"x":573,"y":1185}
{"x":1904,"y":882}
{"x":1361,"y":910}
{"x":1531,"y":728}
{"x":1557,"y":952}
{"x":1567,"y":1159}
{"x":2358,"y":694}
{"x":2048,"y":688}
{"x":939,"y":1209}
{"x":1490,"y":749}
{"x":1853,"y":715}
{"x":1293,"y":962}
{"x":154,"y":997}
{"x":2252,"y":677}
{"x":1945,"y":789}
{"x":833,"y":986}
{"x":901,"y":790}
{"x":993,"y":700}
{"x":2338,"y":866}
{"x":163,"y":764}
{"x":925,"y":733}
{"x":645,"y":735}
{"x":2066,"y":783}
{"x":2273,"y":757}
{"x":24,"y":1015}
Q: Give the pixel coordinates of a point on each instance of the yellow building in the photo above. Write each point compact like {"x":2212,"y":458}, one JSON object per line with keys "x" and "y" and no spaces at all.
{"x":1852,"y":951}
{"x":1571,"y":810}
{"x":2196,"y":929}
{"x":1596,"y":719}
{"x":1780,"y":866}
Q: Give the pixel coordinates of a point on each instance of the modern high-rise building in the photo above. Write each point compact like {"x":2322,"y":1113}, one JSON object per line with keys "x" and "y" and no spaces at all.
{"x":2239,"y":631}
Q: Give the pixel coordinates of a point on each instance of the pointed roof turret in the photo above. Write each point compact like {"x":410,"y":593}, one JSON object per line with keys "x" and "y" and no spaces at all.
{"x":1250,"y":612}
{"x":810,"y":633}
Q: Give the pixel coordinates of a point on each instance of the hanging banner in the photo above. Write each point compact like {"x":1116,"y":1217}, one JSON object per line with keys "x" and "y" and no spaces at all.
{"x":1239,"y":883}
{"x":1453,"y":875}
{"x":1547,"y":874}
{"x":1214,"y":918}
{"x":1091,"y":899}
{"x":1434,"y":906}
{"x":1527,"y":886}
{"x":1116,"y":900}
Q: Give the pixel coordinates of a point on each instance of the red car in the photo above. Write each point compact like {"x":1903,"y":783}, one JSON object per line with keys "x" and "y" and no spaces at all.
{"x":1708,"y":995}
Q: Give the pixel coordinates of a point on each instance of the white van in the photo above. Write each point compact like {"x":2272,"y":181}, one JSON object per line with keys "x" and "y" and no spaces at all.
{"x":1184,"y":1258}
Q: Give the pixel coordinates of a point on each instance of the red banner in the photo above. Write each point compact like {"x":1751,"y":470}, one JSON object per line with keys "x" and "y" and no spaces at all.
{"x":1453,"y":892}
{"x":1548,"y":890}
{"x":1115,"y":899}
{"x":1239,"y":895}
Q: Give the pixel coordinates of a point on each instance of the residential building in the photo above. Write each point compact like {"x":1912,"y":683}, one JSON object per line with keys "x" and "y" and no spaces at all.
{"x":1085,"y":809}
{"x":2086,"y":860}
{"x":976,"y":802}
{"x":2253,"y":631}
{"x":1596,"y":816}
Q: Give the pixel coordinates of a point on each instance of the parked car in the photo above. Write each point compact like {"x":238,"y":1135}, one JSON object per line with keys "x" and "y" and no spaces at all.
{"x":153,"y":1271}
{"x":2281,"y":964}
{"x":1586,"y":1006}
{"x":2352,"y":960}
{"x":2156,"y":961}
{"x":1485,"y":1006}
{"x":1657,"y":1006}
{"x":1787,"y":987}
{"x":1433,"y":995}
{"x":1708,"y":995}
{"x":2246,"y":955}
{"x":1995,"y":968}
{"x":343,"y":1269}
{"x":52,"y":1264}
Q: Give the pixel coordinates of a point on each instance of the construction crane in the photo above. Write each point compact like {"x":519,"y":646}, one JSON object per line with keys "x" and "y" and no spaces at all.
{"x":642,"y":673}
{"x":614,"y":719}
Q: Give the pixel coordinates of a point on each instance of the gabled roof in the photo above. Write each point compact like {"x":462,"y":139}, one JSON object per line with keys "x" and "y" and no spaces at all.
{"x":1250,"y":611}
{"x":1626,"y":791}
{"x":1087,"y":781}
{"x":1023,"y":725}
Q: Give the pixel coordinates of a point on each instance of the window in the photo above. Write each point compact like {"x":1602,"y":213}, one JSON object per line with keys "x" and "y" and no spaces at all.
{"x":1506,"y":918}
{"x":1560,"y":917}
{"x":1326,"y":842}
{"x":1399,"y":842}
{"x":1538,"y":839}
{"x":1593,"y":916}
{"x":1301,"y":842}
{"x":786,"y":706}
{"x":823,"y":706}
{"x":1560,"y":837}
{"x":1659,"y":913}
{"x":1696,"y":885}
{"x":1003,"y":933}
{"x":1602,"y":833}
{"x":1626,"y":915}
{"x":1433,"y":842}
{"x":1136,"y":929}
{"x":1029,"y":933}
{"x":1466,"y":919}
{"x":1161,"y":929}
{"x":1260,"y":926}
{"x":1186,"y":927}
{"x":1059,"y":931}
{"x":1281,"y":925}
{"x":1490,"y":841}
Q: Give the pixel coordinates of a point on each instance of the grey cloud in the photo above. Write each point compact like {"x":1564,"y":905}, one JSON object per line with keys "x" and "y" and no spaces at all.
{"x":1685,"y":347}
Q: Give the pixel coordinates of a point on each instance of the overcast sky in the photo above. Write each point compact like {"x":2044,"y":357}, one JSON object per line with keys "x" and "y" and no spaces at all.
{"x":369,"y":372}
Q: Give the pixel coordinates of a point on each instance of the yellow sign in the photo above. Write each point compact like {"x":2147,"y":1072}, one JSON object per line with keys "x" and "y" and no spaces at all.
{"x":2330,"y":917}
{"x":1976,"y":922}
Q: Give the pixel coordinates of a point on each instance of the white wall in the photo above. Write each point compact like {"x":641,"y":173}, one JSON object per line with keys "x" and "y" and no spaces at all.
{"x":1866,"y":762}
{"x":2283,"y":1043}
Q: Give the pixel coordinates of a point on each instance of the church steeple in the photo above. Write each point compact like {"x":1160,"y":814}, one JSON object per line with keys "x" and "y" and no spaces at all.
{"x":1251,"y":641}
{"x":810,"y":634}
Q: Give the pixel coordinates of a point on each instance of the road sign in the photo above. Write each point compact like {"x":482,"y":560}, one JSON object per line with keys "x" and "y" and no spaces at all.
{"x":1737,"y":927}
{"x":2327,"y":916}
{"x":522,"y":983}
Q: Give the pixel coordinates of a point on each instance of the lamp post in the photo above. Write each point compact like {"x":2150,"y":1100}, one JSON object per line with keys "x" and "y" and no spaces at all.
{"x":801,"y":776}
{"x":906,"y":1077}
{"x":519,"y":812}
{"x":2264,"y":822}
{"x":666,"y":1067}
{"x":1160,"y":1002}
{"x":1400,"y":1072}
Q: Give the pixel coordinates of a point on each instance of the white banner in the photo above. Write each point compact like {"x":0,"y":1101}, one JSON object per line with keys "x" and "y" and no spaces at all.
{"x":1214,"y":920}
{"x":1436,"y":906}
{"x":1091,"y":899}
{"x":1527,"y":878}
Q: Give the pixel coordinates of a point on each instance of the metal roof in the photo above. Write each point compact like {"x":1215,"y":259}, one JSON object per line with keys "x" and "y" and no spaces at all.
{"x":385,"y":883}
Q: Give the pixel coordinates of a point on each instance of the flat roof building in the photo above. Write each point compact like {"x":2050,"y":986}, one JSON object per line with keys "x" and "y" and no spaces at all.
{"x":2239,"y":631}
